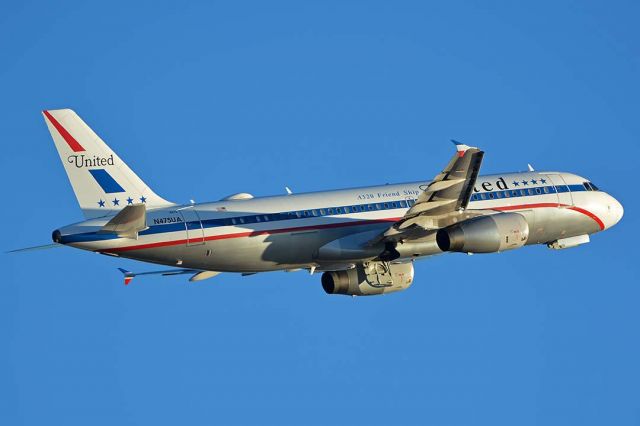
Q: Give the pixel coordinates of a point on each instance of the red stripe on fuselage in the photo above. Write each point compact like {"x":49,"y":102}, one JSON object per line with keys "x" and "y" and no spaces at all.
{"x":591,"y":215}
{"x":526,"y":206}
{"x":334,"y":225}
{"x":542,"y":205}
{"x":71,"y":141}
{"x":250,"y":234}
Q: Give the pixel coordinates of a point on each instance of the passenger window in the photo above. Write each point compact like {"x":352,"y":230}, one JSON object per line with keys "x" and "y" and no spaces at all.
{"x":338,"y":210}
{"x":522,"y":192}
{"x":499,"y":194}
{"x":257,"y":218}
{"x":322,"y":212}
{"x":491,"y":196}
{"x":546,"y":189}
{"x":507,"y":194}
{"x":315,"y":212}
{"x":483,"y":197}
{"x":538,"y":191}
{"x":386,"y":206}
{"x":530,"y":191}
{"x":403,"y":204}
{"x":241,"y":220}
{"x":330,"y":211}
{"x":266,"y":218}
{"x":233,"y":221}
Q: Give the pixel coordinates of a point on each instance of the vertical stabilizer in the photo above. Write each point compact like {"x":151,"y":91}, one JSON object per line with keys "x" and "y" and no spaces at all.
{"x":102,"y":182}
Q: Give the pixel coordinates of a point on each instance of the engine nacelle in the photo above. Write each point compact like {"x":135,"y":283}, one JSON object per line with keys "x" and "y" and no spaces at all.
{"x":369,"y":279}
{"x":485,"y":234}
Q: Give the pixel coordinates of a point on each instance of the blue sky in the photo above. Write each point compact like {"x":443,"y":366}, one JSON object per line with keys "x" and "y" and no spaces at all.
{"x":206,"y":99}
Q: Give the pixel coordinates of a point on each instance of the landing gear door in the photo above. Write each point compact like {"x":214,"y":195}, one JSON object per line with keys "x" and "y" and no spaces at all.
{"x":562,"y":190}
{"x":193,"y":226}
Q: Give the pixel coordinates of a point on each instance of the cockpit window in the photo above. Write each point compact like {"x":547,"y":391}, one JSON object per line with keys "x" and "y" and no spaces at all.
{"x":590,"y":186}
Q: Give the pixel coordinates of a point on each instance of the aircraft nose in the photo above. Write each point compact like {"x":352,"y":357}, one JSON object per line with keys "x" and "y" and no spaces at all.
{"x":618,"y":210}
{"x":615,"y":211}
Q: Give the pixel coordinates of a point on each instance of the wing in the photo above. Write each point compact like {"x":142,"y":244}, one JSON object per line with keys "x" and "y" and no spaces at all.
{"x":198,"y":275}
{"x":444,"y":201}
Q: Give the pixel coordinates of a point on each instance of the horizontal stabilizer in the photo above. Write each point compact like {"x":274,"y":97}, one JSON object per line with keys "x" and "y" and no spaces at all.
{"x":35,"y":248}
{"x":128,"y":222}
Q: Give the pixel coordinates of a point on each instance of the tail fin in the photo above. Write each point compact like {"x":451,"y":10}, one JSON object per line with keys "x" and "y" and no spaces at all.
{"x":102,"y":182}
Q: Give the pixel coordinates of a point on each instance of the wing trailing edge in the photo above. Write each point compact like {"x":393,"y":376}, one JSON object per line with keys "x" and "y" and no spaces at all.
{"x":198,"y":275}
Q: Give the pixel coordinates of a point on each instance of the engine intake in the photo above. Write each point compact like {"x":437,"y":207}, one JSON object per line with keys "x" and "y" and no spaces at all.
{"x":485,"y":234}
{"x":369,"y":279}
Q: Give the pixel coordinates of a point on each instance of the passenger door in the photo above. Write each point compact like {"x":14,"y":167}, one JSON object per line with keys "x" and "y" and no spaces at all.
{"x":193,"y":226}
{"x":562,"y":190}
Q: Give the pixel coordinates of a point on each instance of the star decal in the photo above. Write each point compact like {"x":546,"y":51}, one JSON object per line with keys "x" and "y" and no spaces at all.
{"x":129,"y":200}
{"x":533,"y":181}
{"x":543,"y":181}
{"x":101,"y":203}
{"x":116,"y":202}
{"x":516,"y":183}
{"x":525,"y":183}
{"x":143,"y":199}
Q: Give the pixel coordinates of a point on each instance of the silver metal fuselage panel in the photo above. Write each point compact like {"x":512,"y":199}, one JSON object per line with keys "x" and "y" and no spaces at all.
{"x":285,"y":232}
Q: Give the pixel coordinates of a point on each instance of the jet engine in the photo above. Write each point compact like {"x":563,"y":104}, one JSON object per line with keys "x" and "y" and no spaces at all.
{"x":485,"y":234}
{"x":369,"y":279}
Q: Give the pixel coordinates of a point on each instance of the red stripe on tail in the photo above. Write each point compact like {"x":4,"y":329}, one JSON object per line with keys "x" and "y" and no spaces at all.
{"x":71,"y":141}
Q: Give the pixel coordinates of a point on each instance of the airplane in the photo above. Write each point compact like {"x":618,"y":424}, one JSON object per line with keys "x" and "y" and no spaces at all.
{"x":363,"y":240}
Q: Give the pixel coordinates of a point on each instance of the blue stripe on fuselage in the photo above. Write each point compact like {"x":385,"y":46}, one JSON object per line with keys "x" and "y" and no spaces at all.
{"x":319,"y":212}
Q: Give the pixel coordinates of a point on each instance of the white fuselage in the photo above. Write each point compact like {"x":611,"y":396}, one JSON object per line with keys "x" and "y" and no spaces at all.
{"x":288,"y":231}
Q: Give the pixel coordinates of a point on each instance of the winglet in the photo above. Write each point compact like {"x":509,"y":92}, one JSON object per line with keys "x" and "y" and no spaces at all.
{"x":462,"y":148}
{"x":128,"y":275}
